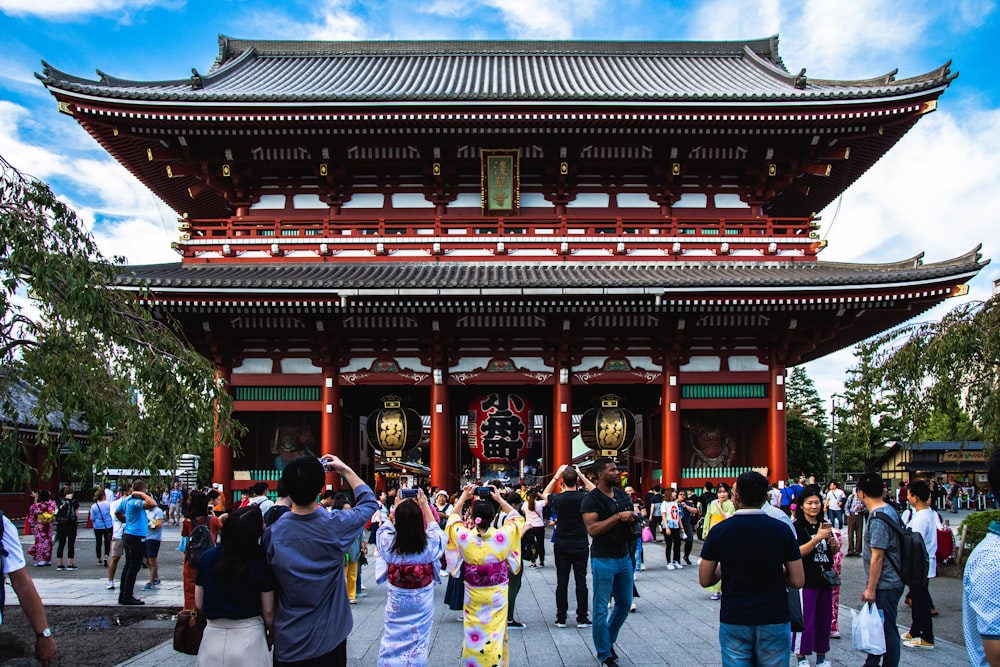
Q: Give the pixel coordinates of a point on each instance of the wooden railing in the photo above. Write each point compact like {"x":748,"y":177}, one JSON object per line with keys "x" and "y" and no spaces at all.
{"x":555,"y":235}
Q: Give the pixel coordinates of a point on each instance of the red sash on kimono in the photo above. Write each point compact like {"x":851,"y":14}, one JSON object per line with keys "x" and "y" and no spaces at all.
{"x":411,"y":576}
{"x":491,"y":574}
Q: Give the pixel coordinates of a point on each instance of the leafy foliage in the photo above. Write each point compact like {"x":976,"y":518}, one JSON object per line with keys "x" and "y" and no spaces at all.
{"x":806,"y":430}
{"x":803,"y":399}
{"x":977,"y":523}
{"x":949,"y":422}
{"x":938,"y":364}
{"x":91,"y":350}
{"x":868,"y":418}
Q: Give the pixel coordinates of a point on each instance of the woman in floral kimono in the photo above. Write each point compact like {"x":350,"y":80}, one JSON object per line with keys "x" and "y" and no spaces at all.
{"x":718,"y":511}
{"x":410,"y":544}
{"x":41,"y":516}
{"x":487,"y":553}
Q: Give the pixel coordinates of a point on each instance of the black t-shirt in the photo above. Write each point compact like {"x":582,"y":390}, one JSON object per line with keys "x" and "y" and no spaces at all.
{"x":752,"y":548}
{"x":616,"y":541}
{"x":571,"y":534}
{"x":231,"y":597}
{"x":817,"y":560}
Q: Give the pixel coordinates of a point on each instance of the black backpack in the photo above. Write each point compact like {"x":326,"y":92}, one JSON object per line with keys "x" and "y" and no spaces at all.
{"x":65,"y":514}
{"x":914,"y":563}
{"x":199,"y":541}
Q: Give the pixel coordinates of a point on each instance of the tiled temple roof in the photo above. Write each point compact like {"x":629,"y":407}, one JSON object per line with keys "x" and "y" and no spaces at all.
{"x":545,"y":278}
{"x":435,"y":72}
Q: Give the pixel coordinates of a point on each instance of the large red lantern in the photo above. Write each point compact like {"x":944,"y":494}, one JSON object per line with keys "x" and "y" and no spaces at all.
{"x":609,"y":429}
{"x":499,"y":427}
{"x":394,"y":429}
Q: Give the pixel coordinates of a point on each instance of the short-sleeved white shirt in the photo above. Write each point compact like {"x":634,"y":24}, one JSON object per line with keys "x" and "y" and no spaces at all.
{"x":835,"y":499}
{"x":924,"y":522}
{"x":117,"y":527}
{"x":981,"y":598}
{"x":14,"y":560}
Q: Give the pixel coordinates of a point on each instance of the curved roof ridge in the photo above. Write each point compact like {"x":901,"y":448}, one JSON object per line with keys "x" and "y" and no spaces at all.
{"x":54,"y":75}
{"x":769,"y":67}
{"x":230,"y":47}
{"x":909,"y":263}
{"x":882,"y":80}
{"x":974,"y":255}
{"x":942,"y":74}
{"x":50,"y":73}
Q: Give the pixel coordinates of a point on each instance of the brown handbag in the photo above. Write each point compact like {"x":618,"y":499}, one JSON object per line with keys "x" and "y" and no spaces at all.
{"x":188,"y":630}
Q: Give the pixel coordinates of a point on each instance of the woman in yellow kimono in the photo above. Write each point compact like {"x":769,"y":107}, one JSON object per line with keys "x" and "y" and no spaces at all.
{"x":487,"y":551}
{"x":718,"y":511}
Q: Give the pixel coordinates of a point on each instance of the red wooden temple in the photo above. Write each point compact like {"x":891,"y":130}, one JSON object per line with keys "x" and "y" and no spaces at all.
{"x":462,"y":224}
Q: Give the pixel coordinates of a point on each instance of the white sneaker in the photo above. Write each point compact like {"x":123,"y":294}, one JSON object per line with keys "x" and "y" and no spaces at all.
{"x":678,"y":566}
{"x":671,"y":566}
{"x":632,"y":608}
{"x":825,"y":663}
{"x":642,"y":567}
{"x":110,"y":585}
{"x":804,"y":663}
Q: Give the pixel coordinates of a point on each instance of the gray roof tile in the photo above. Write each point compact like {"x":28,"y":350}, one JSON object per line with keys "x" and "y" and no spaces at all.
{"x":252,"y":71}
{"x":669,"y":276}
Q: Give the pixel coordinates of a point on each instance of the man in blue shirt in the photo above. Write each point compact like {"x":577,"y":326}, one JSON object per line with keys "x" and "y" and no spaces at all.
{"x":306,"y":552}
{"x":755,"y":556}
{"x":132,"y":512}
{"x":981,"y":588}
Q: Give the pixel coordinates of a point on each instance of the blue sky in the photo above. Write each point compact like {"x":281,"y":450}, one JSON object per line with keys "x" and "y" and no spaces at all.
{"x":937,"y":192}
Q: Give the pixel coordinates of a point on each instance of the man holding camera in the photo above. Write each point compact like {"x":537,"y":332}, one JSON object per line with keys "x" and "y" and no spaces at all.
{"x":306,"y":551}
{"x":571,"y":546}
{"x":609,"y":517}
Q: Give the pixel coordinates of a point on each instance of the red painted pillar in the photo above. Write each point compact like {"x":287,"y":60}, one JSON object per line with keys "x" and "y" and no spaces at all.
{"x":777,"y":427}
{"x":330,"y":419}
{"x":670,"y":415}
{"x":222,"y":454}
{"x":562,"y":417}
{"x":441,"y":472}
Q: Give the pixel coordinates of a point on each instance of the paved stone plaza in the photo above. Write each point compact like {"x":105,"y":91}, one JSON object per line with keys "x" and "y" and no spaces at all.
{"x":675,"y":624}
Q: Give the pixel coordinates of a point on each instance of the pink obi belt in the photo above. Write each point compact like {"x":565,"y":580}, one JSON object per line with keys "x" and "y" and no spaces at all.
{"x":411,"y":576}
{"x":491,"y":574}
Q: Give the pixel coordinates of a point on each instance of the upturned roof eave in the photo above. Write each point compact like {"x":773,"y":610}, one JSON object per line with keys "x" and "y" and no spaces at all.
{"x":796,"y":280}
{"x":650,"y":103}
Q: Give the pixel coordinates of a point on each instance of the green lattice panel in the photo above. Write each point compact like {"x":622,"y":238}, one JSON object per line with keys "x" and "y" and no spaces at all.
{"x":276,"y":393}
{"x":724,"y":391}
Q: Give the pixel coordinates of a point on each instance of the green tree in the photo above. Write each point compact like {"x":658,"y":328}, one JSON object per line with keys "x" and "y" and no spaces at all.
{"x":803,"y":399}
{"x":89,"y":349}
{"x":949,"y":422}
{"x":868,"y":417}
{"x":806,"y":431}
{"x":955,"y":360}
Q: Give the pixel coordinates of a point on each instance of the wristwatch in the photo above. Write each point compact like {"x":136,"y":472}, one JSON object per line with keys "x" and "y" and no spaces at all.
{"x":44,"y":633}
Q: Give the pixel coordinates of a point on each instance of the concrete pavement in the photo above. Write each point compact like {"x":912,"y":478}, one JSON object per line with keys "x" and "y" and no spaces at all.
{"x":675,"y":624}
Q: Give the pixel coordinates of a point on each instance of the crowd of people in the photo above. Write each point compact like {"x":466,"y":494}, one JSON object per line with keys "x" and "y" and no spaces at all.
{"x":275,"y":579}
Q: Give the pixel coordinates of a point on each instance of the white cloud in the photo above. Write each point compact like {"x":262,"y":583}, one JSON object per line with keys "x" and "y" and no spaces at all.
{"x":451,"y":9}
{"x":338,"y":22}
{"x":545,"y":19}
{"x":69,"y":9}
{"x":125,"y":218}
{"x":937,"y":191}
{"x":858,"y":39}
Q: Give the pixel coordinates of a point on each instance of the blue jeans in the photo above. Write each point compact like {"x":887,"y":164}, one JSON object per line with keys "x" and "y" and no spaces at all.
{"x":755,"y":645}
{"x":887,"y":600}
{"x":836,"y":518}
{"x":612,"y":577}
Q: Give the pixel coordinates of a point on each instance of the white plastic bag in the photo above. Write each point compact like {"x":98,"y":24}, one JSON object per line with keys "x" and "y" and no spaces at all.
{"x":867,"y":630}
